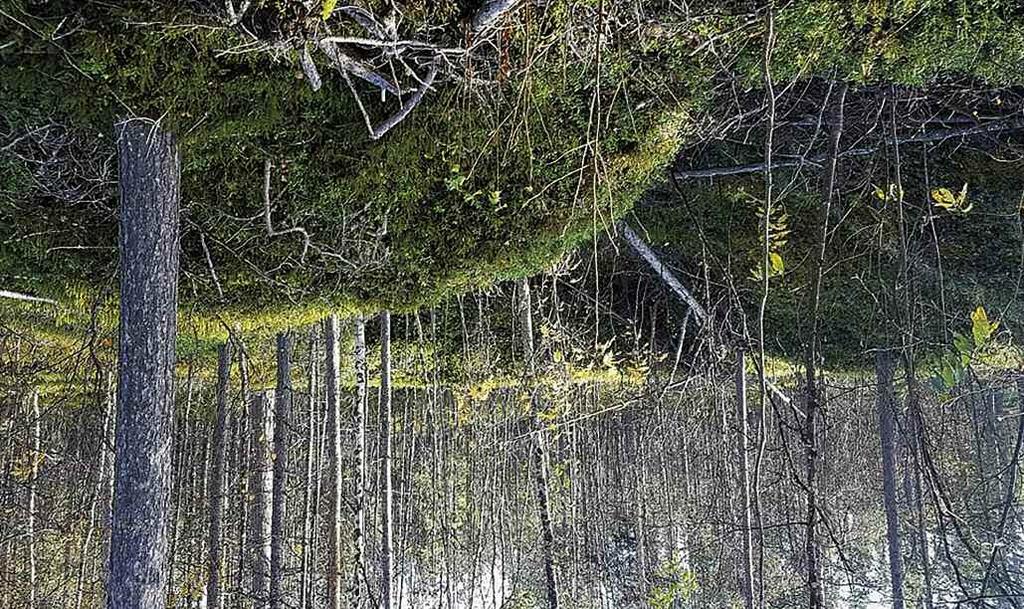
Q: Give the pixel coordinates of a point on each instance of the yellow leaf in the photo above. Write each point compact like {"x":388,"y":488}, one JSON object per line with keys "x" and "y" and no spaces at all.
{"x":778,"y":266}
{"x":328,"y":8}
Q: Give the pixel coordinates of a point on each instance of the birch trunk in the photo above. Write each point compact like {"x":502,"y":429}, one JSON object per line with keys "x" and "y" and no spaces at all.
{"x":260,"y":487}
{"x":387,"y":549}
{"x":359,"y":565}
{"x":334,"y":419}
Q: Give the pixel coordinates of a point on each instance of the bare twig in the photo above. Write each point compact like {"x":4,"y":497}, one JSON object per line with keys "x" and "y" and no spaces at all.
{"x":357,"y":68}
{"x":209,"y":263}
{"x":309,"y":69}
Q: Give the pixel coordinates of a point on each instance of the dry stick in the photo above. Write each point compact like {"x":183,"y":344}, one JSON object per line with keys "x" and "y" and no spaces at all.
{"x":407,"y":107}
{"x":490,"y":12}
{"x":266,"y":213}
{"x":309,"y":69}
{"x":666,"y":275}
{"x":347,"y":64}
{"x":209,"y":263}
{"x":25,"y":297}
{"x":818,"y":160}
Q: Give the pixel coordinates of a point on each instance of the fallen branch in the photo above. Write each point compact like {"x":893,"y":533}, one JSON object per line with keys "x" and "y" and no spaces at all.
{"x":309,"y":69}
{"x":25,"y":297}
{"x":348,"y":64}
{"x":407,"y":107}
{"x":266,"y":214}
{"x":819,"y":159}
{"x":666,"y":275}
{"x":233,"y":17}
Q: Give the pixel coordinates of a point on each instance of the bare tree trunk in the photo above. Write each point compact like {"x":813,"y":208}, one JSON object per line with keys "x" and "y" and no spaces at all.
{"x":359,"y":564}
{"x":914,"y":400}
{"x":538,"y":449}
{"x":333,"y":373}
{"x":282,"y":408}
{"x":33,"y":590}
{"x":388,"y":548}
{"x":307,"y":524}
{"x":216,"y":498}
{"x":150,"y":171}
{"x":886,"y":405}
{"x":744,"y":432}
{"x":260,"y":487}
{"x":101,"y":478}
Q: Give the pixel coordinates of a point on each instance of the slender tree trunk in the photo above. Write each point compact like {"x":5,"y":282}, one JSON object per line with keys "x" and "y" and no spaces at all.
{"x":150,"y":170}
{"x":388,"y":548}
{"x":917,"y":425}
{"x":33,"y":584}
{"x":216,"y":498}
{"x":744,"y":433}
{"x":101,"y":478}
{"x":538,"y":449}
{"x":359,"y":564}
{"x":260,"y":487}
{"x":282,"y":407}
{"x":886,"y":427}
{"x":333,"y":373}
{"x":307,"y":525}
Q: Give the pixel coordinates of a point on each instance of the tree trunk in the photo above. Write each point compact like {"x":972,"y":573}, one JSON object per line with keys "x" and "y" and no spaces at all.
{"x":358,"y":564}
{"x":260,"y":484}
{"x":387,"y":549}
{"x":149,"y":172}
{"x":101,"y":478}
{"x":886,"y":406}
{"x":32,"y":481}
{"x":216,"y":497}
{"x":307,"y":507}
{"x":538,"y":449}
{"x":282,"y":407}
{"x":744,"y":432}
{"x":334,"y":419}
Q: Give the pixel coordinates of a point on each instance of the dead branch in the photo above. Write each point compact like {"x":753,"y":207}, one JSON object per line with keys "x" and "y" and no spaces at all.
{"x":819,"y":159}
{"x":25,"y":297}
{"x":645,"y":252}
{"x":309,"y":69}
{"x":407,"y":107}
{"x":266,"y":214}
{"x":490,"y":12}
{"x":346,"y":63}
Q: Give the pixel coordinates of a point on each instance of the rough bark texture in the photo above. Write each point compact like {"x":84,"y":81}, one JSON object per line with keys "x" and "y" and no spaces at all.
{"x":216,"y":497}
{"x":886,"y":404}
{"x":282,"y":408}
{"x":387,"y":549}
{"x":360,"y":459}
{"x":149,"y":172}
{"x":260,"y":483}
{"x":333,"y":372}
{"x":307,"y":504}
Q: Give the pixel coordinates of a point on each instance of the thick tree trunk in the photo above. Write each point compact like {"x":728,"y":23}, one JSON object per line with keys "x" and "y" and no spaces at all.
{"x":282,"y":408}
{"x":260,"y":484}
{"x":743,"y":418}
{"x":886,"y":405}
{"x":333,"y":373}
{"x":216,"y":498}
{"x":359,"y":564}
{"x":149,"y":172}
{"x":388,"y":546}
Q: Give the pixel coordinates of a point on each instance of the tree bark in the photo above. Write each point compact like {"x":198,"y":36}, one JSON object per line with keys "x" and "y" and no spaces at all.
{"x":307,"y":507}
{"x":216,"y":498}
{"x":743,"y":420}
{"x":32,"y":482}
{"x":282,"y":408}
{"x":388,"y":547}
{"x":260,"y":487}
{"x":149,"y":172}
{"x":886,"y":404}
{"x":359,"y":564}
{"x":333,"y":373}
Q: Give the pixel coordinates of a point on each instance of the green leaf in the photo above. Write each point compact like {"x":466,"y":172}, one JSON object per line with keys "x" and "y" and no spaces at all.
{"x":981,"y":328}
{"x":778,"y":266}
